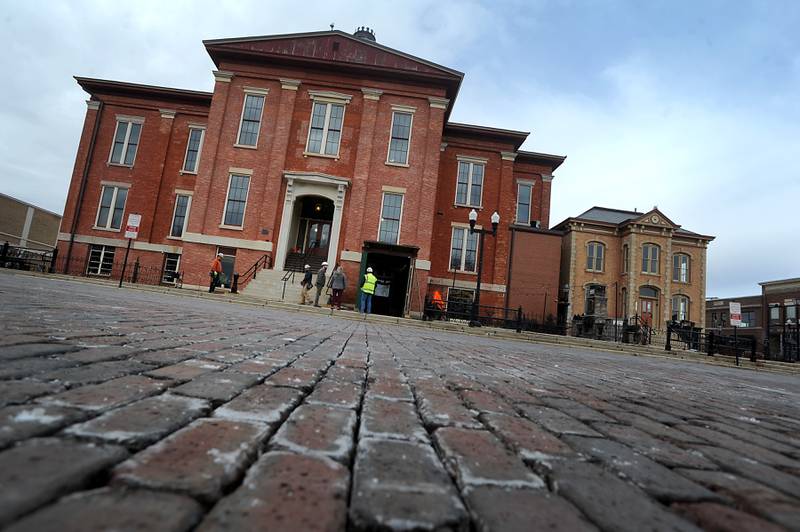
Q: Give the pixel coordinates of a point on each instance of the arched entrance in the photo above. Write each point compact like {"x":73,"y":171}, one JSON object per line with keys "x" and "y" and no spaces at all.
{"x":649,"y":305}
{"x":310,"y":233}
{"x":311,"y":219}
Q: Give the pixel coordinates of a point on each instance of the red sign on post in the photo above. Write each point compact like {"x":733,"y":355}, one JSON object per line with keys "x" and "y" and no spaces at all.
{"x":736,"y":313}
{"x":132,"y":228}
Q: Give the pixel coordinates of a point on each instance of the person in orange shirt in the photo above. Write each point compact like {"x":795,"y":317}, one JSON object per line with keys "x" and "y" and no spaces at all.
{"x":216,"y":271}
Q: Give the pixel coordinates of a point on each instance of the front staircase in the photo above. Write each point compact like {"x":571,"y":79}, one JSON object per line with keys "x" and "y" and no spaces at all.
{"x":295,"y":262}
{"x":269,"y":285}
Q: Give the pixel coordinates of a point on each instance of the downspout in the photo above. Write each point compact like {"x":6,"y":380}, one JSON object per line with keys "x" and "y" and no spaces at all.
{"x":510,"y":264}
{"x":84,"y":180}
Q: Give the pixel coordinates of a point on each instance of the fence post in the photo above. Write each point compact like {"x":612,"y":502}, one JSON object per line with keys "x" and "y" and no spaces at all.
{"x":135,"y":276}
{"x":53,"y":259}
{"x":3,"y":255}
{"x":519,"y":319}
{"x":710,"y":343}
{"x":668,"y":347}
{"x":235,"y":285}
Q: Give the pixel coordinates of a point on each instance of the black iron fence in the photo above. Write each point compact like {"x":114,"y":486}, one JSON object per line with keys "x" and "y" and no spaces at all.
{"x":20,"y":258}
{"x":711,"y":343}
{"x":632,"y":329}
{"x":135,"y":272}
{"x":476,"y":315}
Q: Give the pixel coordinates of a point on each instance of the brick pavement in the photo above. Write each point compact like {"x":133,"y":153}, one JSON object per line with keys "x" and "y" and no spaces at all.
{"x":134,"y":410}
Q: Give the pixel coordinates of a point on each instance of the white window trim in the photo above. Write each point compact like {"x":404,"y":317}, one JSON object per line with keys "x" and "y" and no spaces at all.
{"x":405,"y":110}
{"x":520,"y":182}
{"x":650,"y":259}
{"x":594,"y":258}
{"x":330,"y":97}
{"x":108,"y":227}
{"x":186,"y":218}
{"x":222,"y":224}
{"x":679,"y":297}
{"x":399,"y":222}
{"x":250,"y":92}
{"x":100,"y":263}
{"x":199,"y":149}
{"x":472,"y":162}
{"x":328,"y":102}
{"x":447,"y":298}
{"x":129,"y":120}
{"x":688,"y":268}
{"x":461,"y":269}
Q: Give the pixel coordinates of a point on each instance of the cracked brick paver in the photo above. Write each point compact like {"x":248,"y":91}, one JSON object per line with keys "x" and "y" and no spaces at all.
{"x":125,"y":409}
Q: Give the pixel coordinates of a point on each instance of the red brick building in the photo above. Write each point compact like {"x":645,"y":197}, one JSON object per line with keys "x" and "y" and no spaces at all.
{"x":313,"y":146}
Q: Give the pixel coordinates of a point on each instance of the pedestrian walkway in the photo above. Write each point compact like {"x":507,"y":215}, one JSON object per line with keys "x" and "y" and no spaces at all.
{"x":133,"y":409}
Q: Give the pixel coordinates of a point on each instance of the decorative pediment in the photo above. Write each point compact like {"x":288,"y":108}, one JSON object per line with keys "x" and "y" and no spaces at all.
{"x":655,"y":218}
{"x":329,"y":47}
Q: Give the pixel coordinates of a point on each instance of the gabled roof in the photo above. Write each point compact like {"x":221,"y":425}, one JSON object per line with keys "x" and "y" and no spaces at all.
{"x":612,"y":216}
{"x":337,"y":50}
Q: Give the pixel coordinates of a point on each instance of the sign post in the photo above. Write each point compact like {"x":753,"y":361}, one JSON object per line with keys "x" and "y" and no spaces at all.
{"x":131,"y":232}
{"x":735,"y":310}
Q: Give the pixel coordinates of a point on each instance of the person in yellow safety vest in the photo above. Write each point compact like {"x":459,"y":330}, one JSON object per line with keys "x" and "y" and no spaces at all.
{"x":367,"y":290}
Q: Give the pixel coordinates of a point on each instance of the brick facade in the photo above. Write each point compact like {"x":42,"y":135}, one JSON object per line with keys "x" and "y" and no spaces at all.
{"x":292,"y":73}
{"x":628,"y":289}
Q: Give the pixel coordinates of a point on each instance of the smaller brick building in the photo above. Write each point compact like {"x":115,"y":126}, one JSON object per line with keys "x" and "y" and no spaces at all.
{"x":619,"y":264}
{"x":26,"y":225}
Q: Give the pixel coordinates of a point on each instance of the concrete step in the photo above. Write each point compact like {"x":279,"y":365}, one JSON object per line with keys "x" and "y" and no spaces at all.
{"x":269,"y":285}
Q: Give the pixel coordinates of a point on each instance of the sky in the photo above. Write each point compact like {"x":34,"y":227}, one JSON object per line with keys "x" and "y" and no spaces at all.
{"x":691,"y":106}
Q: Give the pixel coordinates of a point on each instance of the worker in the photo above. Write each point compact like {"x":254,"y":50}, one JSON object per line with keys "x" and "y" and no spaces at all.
{"x":215,"y":273}
{"x":367,"y":290}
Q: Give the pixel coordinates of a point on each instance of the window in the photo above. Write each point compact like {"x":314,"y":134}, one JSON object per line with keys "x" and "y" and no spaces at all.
{"x":193,"y":147}
{"x":251,"y":119}
{"x":101,"y":260}
{"x":126,"y":140}
{"x":774,"y":313}
{"x":596,"y":302}
{"x":469,"y":185}
{"x":650,"y":258}
{"x":791,"y":313}
{"x":237,"y":199}
{"x":172,"y":262}
{"x":748,"y":318}
{"x":400,"y":138}
{"x":180,"y":215}
{"x":326,"y":128}
{"x":112,"y":206}
{"x":594,"y":256}
{"x":680,"y":308}
{"x":680,"y":268}
{"x":626,"y":258}
{"x":389,"y":230}
{"x":524,"y":193}
{"x":463,"y":250}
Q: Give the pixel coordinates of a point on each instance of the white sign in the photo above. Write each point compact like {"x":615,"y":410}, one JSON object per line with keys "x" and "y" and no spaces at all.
{"x":132,"y":228}
{"x":735,"y":310}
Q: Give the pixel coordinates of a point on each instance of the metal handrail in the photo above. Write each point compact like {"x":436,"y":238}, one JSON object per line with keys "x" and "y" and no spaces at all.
{"x":253,"y":270}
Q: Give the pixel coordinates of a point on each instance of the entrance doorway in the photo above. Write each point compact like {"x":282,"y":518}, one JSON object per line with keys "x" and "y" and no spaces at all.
{"x":393,"y":265}
{"x":228,"y":263}
{"x":313,"y":219}
{"x":648,"y":297}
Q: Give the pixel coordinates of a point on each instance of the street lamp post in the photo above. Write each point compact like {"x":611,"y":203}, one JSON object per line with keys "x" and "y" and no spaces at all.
{"x":473,"y":218}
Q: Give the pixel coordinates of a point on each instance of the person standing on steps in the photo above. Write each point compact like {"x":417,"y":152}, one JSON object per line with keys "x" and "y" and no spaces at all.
{"x":215,"y":273}
{"x":367,"y":290}
{"x":338,"y":284}
{"x":320,"y":282}
{"x":305,"y":286}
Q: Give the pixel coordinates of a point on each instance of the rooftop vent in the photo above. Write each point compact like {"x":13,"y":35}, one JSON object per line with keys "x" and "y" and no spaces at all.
{"x":364,"y":33}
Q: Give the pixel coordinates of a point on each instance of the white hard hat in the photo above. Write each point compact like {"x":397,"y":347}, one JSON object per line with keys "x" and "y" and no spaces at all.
{"x":220,"y":255}
{"x":306,"y":267}
{"x":369,"y":270}
{"x":324,"y":263}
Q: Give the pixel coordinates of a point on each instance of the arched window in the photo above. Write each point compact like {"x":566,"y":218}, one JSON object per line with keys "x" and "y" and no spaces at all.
{"x":595,"y":253}
{"x":626,"y":258}
{"x":680,"y":308}
{"x":680,"y":267}
{"x":650,"y":257}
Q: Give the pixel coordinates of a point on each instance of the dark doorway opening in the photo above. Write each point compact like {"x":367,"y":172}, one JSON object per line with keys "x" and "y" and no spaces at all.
{"x":392,"y":265}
